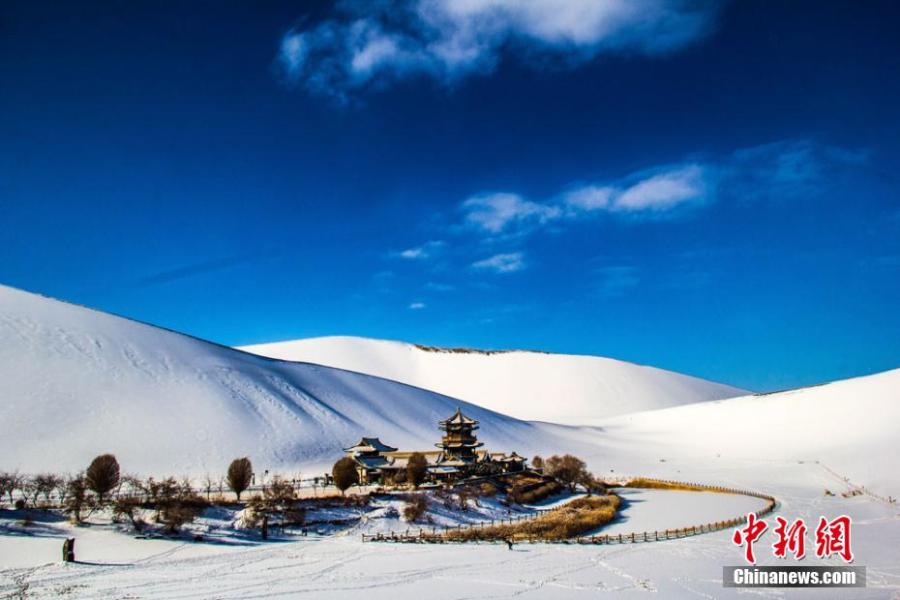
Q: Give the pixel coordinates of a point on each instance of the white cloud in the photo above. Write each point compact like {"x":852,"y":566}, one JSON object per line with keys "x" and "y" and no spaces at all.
{"x":657,"y":191}
{"x":413,"y":253}
{"x":664,"y":190}
{"x":426,"y":250}
{"x":374,"y":43}
{"x":416,"y":306}
{"x":588,"y":198}
{"x":502,"y":263}
{"x":495,"y":212}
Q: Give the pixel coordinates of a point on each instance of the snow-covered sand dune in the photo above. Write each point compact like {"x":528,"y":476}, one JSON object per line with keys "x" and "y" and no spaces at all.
{"x":77,"y":382}
{"x":537,"y":386}
{"x":851,"y":427}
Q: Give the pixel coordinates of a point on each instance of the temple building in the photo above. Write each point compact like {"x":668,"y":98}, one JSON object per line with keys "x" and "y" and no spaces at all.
{"x":512,"y":462}
{"x":371,"y":461}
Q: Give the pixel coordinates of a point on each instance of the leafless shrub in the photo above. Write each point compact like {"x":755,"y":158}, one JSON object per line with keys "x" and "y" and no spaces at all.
{"x":416,"y":469}
{"x":280,"y":501}
{"x":128,"y":506}
{"x":415,"y":507}
{"x":176,"y":503}
{"x":77,"y":499}
{"x":488,"y":488}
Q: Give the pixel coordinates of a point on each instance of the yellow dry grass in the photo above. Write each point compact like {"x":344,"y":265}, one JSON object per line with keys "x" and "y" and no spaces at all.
{"x":575,"y":518}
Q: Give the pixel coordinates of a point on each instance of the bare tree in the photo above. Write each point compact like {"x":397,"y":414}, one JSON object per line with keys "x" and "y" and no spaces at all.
{"x":279,"y":500}
{"x":240,"y":471}
{"x":46,"y":484}
{"x":568,"y":469}
{"x":176,"y":503}
{"x":345,"y":474}
{"x":62,"y":489}
{"x":208,"y":485}
{"x":537,"y":463}
{"x":129,"y":501}
{"x":9,"y":483}
{"x":31,"y":491}
{"x":102,"y":476}
{"x":76,"y":497}
{"x":416,"y":469}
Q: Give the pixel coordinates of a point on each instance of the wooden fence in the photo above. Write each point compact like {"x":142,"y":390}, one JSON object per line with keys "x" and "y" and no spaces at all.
{"x":435,"y":535}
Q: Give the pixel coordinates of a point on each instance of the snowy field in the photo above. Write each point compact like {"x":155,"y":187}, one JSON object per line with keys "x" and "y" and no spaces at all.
{"x":119,"y":566}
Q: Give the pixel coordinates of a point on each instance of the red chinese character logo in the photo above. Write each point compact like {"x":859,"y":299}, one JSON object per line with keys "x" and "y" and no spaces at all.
{"x":834,"y":538}
{"x":748,"y":535}
{"x":790,"y":539}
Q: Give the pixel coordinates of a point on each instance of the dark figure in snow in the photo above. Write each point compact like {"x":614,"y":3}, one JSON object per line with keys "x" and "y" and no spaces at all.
{"x":508,"y":543}
{"x":69,"y":550}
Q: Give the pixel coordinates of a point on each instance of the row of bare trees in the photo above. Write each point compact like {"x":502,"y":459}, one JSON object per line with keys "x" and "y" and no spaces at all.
{"x":100,"y":478}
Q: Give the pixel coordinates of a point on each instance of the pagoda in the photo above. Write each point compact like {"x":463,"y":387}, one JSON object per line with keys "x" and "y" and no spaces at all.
{"x":458,"y":442}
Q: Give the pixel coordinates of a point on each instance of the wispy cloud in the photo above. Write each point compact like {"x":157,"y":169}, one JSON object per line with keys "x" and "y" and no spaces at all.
{"x":426,"y":250}
{"x":664,"y":190}
{"x":370,"y":44}
{"x":509,"y":262}
{"x":782,"y":169}
{"x":785,"y":169}
{"x":417,"y":306}
{"x":655,"y":191}
{"x":496,"y":212}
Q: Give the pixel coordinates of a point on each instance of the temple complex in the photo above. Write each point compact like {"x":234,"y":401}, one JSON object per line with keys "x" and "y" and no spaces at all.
{"x":458,"y":456}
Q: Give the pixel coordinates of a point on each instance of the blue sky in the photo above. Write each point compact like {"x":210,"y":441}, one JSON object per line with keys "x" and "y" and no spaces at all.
{"x":705,"y":187}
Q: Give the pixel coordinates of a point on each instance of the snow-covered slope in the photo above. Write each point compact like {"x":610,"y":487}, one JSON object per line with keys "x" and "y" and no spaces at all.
{"x":559,"y":388}
{"x":850,"y":427}
{"x":75,"y":382}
